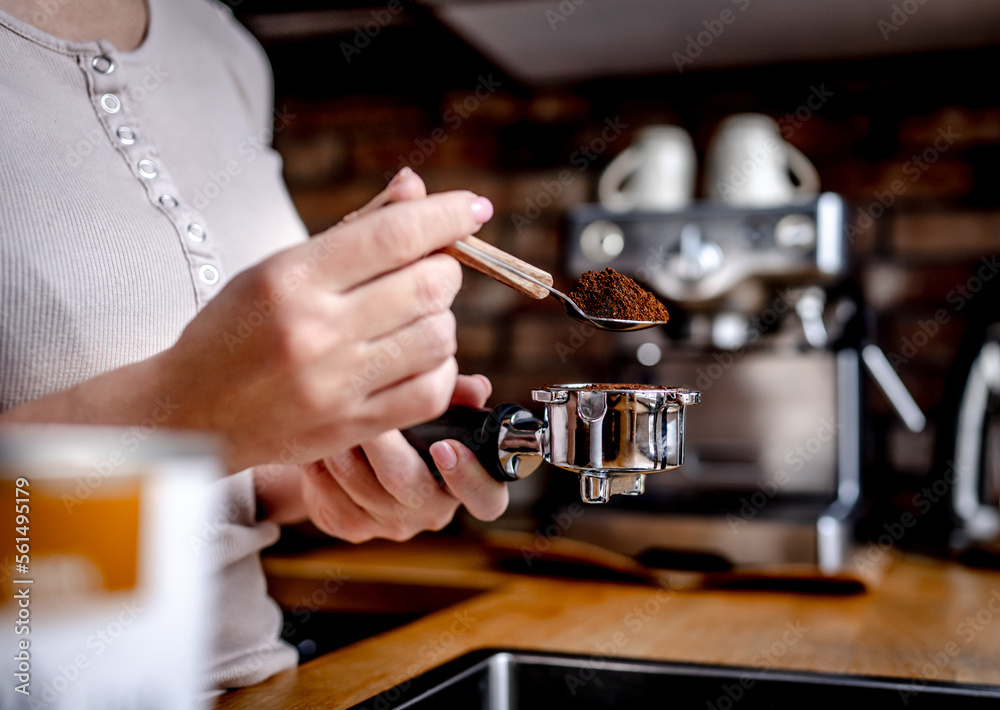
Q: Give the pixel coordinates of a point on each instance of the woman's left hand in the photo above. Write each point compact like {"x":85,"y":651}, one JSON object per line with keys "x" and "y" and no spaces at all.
{"x":383,"y":488}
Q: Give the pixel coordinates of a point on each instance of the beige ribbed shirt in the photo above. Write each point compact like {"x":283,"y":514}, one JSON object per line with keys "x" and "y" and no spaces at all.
{"x":133,"y":185}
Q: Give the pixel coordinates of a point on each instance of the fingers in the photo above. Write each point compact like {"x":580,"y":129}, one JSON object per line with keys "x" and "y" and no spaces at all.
{"x":405,"y":185}
{"x":414,"y":349}
{"x":382,"y":489}
{"x":471,"y":391}
{"x":330,"y":508}
{"x":420,"y":500}
{"x":484,"y":497}
{"x":395,"y":235}
{"x":415,"y":400}
{"x":421,"y":289}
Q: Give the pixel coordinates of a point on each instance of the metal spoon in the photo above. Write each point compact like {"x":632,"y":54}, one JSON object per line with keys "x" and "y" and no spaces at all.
{"x":519,"y":275}
{"x":472,"y":252}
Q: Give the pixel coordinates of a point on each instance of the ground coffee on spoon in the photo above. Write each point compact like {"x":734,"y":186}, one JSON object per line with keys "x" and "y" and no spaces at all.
{"x":608,"y":294}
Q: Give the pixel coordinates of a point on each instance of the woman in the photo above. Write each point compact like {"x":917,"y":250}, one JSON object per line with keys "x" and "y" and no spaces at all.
{"x":150,"y":254}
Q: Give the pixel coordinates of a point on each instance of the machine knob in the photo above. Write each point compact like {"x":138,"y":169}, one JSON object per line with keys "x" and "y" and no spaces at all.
{"x":698,"y":257}
{"x":602,"y":241}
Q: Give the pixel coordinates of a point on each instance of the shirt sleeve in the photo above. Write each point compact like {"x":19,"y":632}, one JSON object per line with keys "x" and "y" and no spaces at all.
{"x":249,"y":68}
{"x":244,"y":623}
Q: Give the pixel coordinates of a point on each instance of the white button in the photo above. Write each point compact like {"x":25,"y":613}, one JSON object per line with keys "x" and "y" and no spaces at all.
{"x":126,"y":135}
{"x":102,"y":64}
{"x":147,"y":168}
{"x":209,"y":274}
{"x":111,"y":103}
{"x":196,"y":232}
{"x":169,"y":201}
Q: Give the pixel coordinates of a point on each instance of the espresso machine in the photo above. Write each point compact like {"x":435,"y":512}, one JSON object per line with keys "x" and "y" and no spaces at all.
{"x":765,"y":327}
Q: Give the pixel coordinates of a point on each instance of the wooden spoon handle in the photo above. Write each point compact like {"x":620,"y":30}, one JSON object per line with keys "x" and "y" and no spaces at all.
{"x":509,"y":278}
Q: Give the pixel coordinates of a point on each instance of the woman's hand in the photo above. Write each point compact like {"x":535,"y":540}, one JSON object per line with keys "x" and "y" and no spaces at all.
{"x":350,"y":335}
{"x":383,"y":488}
{"x":316,"y":349}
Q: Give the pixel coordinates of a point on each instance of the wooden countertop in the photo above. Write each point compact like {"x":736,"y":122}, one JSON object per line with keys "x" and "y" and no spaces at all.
{"x":925,"y":619}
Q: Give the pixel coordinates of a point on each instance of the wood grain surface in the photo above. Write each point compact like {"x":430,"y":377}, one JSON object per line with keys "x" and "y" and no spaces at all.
{"x":924,"y":619}
{"x":504,"y":276}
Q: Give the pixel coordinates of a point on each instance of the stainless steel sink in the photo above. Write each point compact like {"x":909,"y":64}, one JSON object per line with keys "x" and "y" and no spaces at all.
{"x":517,"y":680}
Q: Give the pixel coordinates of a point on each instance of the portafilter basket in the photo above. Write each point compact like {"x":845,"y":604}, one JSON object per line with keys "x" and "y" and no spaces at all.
{"x":611,"y":435}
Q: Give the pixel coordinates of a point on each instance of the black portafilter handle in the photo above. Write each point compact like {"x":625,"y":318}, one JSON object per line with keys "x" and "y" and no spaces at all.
{"x":502,"y":438}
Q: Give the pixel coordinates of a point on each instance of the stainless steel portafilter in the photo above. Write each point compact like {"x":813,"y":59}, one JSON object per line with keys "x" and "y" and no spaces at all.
{"x":612,"y":436}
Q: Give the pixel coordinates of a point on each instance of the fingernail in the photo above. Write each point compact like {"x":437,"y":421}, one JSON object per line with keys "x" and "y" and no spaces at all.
{"x":482,"y":208}
{"x":444,"y":456}
{"x":403,"y":173}
{"x":486,"y":381}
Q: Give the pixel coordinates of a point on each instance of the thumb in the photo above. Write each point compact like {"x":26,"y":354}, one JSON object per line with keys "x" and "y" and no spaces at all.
{"x":406,"y":185}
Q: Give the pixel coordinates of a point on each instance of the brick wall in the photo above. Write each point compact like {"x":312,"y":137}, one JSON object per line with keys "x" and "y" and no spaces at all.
{"x":917,"y":132}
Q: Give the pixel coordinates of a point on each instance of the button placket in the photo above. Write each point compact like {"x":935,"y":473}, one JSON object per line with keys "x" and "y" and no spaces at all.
{"x":196,"y":232}
{"x":108,"y":90}
{"x":147,"y":168}
{"x":125,"y":135}
{"x":111,"y":103}
{"x":102,"y":64}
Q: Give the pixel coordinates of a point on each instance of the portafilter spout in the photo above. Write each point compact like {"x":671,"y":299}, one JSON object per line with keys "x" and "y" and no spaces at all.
{"x":612,"y":436}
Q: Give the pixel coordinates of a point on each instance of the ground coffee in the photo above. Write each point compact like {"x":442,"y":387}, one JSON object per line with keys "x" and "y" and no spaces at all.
{"x":609,"y":387}
{"x":608,"y":294}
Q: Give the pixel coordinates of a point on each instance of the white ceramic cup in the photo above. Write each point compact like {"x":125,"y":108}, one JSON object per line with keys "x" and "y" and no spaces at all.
{"x":657,"y":172}
{"x":748,"y":164}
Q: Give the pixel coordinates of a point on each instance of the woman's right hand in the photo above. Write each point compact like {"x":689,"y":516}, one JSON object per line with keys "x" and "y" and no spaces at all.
{"x":328,"y":344}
